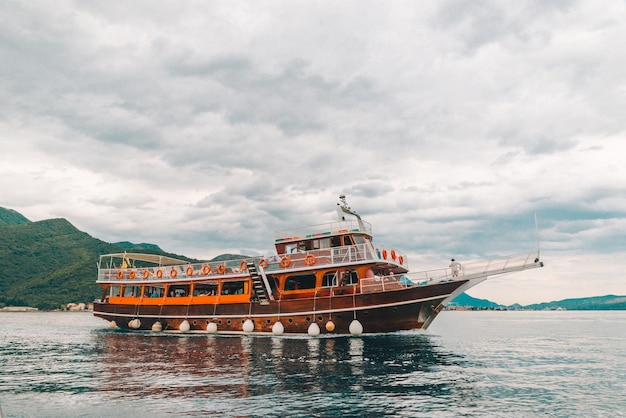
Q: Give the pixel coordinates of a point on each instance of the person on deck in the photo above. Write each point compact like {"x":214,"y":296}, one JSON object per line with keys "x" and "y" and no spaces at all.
{"x":455,"y":266}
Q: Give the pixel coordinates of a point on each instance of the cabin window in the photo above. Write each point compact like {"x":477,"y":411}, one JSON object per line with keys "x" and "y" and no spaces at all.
{"x":347,"y":240}
{"x":132,"y":291}
{"x":336,"y":241}
{"x":233,"y":288}
{"x":319,"y":244}
{"x":349,"y":277}
{"x":205,"y":289}
{"x":329,"y":279}
{"x":358,"y":239}
{"x":300,"y":281}
{"x":153,"y":291}
{"x":114,"y":291}
{"x":178,"y":290}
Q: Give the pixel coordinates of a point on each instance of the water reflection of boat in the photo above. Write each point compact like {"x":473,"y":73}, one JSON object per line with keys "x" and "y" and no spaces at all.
{"x":224,"y":367}
{"x":328,"y":278}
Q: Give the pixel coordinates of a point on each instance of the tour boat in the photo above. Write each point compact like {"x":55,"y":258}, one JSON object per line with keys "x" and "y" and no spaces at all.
{"x":329,"y":278}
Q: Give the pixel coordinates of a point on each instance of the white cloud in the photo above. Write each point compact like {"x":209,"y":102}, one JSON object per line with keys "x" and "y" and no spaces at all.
{"x":202,"y":127}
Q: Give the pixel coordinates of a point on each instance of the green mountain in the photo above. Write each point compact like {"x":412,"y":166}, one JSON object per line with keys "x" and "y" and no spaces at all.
{"x":11,"y":217}
{"x":608,"y":302}
{"x":596,"y":303}
{"x":50,"y":263}
{"x":465,"y":300}
{"x":129,"y":246}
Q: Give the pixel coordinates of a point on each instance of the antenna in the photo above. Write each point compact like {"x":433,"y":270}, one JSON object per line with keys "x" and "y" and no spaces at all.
{"x":537,"y":235}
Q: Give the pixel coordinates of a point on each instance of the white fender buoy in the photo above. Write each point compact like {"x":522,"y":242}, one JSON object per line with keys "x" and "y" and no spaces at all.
{"x":211,"y":327}
{"x":248,"y":326}
{"x":330,"y":326}
{"x":314,"y":329}
{"x":157,"y":326}
{"x":112,"y":324}
{"x":356,"y":328}
{"x":134,"y":323}
{"x":184,"y":326}
{"x":278,"y":328}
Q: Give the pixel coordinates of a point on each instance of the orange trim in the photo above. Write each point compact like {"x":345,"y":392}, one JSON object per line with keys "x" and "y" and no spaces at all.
{"x":309,"y":260}
{"x":173,"y":273}
{"x":120,"y":274}
{"x":146,"y":274}
{"x":189,"y":271}
{"x":243,"y":265}
{"x":159,"y":274}
{"x":221,"y":269}
{"x":132,"y":274}
{"x":285,"y":262}
{"x":264,"y":263}
{"x":206,"y":269}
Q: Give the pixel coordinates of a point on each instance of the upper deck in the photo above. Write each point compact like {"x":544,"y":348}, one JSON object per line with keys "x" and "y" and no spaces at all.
{"x":323,"y":230}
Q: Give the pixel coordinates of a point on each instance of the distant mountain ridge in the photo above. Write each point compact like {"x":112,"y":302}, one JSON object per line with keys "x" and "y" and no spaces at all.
{"x":608,"y":302}
{"x":134,"y":247}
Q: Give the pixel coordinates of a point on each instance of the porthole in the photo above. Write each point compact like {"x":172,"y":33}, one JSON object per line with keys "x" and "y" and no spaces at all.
{"x":195,"y":322}
{"x":308,"y":319}
{"x":269,"y":321}
{"x":228,"y":322}
{"x":290,"y":320}
{"x":320,"y":318}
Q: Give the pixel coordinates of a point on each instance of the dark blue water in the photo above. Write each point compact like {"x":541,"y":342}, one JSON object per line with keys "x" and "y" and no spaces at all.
{"x":503,"y":364}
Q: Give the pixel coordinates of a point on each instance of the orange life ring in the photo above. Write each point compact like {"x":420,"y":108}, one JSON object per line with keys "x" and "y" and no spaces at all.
{"x":120,"y":274}
{"x":385,"y":254}
{"x":264,"y":263}
{"x":159,"y":274}
{"x":401,"y":260}
{"x":309,"y":260}
{"x":285,"y":262}
{"x":221,"y":269}
{"x":189,"y":271}
{"x":243,"y":265}
{"x":206,"y":269}
{"x":146,"y":274}
{"x":132,"y":274}
{"x":173,"y":273}
{"x":393,"y":255}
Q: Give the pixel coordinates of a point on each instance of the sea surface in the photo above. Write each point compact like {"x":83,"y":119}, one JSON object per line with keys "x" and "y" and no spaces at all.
{"x":503,"y":364}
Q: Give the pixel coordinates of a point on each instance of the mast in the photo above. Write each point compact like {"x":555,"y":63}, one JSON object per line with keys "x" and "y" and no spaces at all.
{"x":343,"y":209}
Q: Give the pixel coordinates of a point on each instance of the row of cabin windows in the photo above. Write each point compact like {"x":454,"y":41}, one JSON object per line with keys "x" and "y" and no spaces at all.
{"x":177,"y":290}
{"x":323,"y":243}
{"x":294,"y":282}
{"x":330,"y":279}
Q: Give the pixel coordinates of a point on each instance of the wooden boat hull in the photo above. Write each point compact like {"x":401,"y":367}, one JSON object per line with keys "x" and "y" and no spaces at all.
{"x":378,"y":312}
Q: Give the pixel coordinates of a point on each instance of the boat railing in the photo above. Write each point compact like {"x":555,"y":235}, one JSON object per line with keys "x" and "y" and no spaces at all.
{"x":470,"y":270}
{"x":466,"y":271}
{"x":322,"y":230}
{"x":336,"y":255}
{"x":365,"y":252}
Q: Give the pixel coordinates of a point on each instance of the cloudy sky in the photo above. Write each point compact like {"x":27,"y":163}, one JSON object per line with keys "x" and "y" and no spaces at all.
{"x":204,"y":126}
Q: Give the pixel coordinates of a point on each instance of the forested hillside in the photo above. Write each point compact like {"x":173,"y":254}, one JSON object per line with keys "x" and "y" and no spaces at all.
{"x":50,"y":263}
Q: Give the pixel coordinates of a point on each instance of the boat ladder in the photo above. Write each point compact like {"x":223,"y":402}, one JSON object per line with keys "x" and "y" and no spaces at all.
{"x":260,"y":285}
